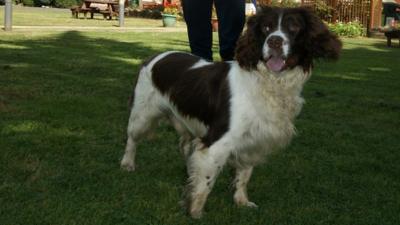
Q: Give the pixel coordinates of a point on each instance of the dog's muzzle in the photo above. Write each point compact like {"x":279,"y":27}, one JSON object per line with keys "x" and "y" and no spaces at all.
{"x":276,"y":60}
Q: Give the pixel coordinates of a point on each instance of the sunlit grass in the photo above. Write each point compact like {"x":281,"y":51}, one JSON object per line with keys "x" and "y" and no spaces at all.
{"x":34,"y":16}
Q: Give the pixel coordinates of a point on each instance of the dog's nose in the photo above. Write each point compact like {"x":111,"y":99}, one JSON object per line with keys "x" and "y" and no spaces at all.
{"x":275,"y":42}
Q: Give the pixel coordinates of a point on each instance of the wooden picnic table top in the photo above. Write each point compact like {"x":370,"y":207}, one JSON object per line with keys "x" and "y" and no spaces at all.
{"x":110,"y":8}
{"x":101,"y":1}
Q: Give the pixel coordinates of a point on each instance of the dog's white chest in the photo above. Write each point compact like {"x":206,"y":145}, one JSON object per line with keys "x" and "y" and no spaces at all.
{"x":262,"y":114}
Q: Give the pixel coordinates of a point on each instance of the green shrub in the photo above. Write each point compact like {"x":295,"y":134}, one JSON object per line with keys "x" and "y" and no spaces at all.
{"x":55,"y":3}
{"x":66,"y":3}
{"x":322,"y":9}
{"x":146,"y":13}
{"x":43,"y":2}
{"x":28,"y":2}
{"x":37,"y":2}
{"x":350,"y":29}
{"x":3,"y":2}
{"x":285,"y":3}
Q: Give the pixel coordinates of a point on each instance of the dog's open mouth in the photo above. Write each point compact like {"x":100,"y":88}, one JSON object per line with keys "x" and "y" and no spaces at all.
{"x":275,"y":63}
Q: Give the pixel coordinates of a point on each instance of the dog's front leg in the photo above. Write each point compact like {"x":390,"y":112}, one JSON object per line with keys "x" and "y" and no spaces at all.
{"x":242,"y":177}
{"x":203,"y":167}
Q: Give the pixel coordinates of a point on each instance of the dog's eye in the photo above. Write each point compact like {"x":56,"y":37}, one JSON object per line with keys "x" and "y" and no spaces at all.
{"x":294,"y":28}
{"x":266,"y":29}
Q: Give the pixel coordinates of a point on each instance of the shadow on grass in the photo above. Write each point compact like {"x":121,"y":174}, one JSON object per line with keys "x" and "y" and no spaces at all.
{"x":63,"y":119}
{"x":68,"y":77}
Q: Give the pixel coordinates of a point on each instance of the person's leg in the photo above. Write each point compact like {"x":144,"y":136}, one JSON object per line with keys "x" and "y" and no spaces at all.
{"x":197,"y":15}
{"x":231,"y":19}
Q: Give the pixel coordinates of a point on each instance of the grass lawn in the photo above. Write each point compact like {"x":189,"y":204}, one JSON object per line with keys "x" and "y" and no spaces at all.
{"x":34,"y":16}
{"x":63,"y":115}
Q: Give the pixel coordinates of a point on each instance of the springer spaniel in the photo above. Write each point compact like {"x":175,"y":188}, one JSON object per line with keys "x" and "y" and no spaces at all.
{"x":237,"y":111}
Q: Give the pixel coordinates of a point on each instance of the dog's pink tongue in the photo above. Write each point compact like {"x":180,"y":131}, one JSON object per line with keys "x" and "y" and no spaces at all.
{"x":275,"y":64}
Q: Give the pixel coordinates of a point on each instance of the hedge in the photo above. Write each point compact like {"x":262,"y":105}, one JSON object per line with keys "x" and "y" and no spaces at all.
{"x":54,"y":3}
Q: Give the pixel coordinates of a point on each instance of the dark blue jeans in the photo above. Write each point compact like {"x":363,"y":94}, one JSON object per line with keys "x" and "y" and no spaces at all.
{"x":389,"y":9}
{"x":231,"y":19}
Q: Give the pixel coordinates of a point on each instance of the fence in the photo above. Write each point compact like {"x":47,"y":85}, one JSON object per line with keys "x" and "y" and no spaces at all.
{"x":350,"y":10}
{"x":338,"y":10}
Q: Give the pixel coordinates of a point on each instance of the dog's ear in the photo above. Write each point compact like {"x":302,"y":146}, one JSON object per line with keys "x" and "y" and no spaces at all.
{"x":248,"y":49}
{"x":319,"y":41}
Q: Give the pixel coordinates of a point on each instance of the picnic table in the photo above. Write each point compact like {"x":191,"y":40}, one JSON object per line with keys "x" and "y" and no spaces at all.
{"x":108,"y":8}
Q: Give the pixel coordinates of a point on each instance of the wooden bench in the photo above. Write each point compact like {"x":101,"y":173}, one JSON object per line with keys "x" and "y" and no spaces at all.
{"x":108,"y":8}
{"x":151,"y":5}
{"x":75,"y":10}
{"x":395,"y":33}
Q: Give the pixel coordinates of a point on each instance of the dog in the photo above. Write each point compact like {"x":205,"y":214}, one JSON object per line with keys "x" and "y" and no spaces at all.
{"x":234,"y":112}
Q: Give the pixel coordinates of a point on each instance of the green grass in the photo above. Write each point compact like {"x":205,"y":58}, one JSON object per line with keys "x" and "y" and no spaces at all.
{"x":34,"y":16}
{"x":63,"y":115}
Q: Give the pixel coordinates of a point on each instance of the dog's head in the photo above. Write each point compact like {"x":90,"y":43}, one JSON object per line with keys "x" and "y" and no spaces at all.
{"x":283,"y":38}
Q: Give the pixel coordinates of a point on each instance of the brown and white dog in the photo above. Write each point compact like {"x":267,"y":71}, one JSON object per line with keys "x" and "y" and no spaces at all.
{"x":237,"y":111}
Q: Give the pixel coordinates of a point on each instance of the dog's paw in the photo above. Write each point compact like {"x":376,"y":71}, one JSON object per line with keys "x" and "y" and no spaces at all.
{"x":191,"y":204}
{"x":196,"y":214}
{"x":246,"y":203}
{"x":127,"y":164}
{"x":128,"y":167}
{"x":250,"y":205}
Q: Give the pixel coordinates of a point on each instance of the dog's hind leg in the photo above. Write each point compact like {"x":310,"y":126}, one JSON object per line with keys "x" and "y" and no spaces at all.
{"x":240,"y":182}
{"x":141,"y":122}
{"x":185,"y":140}
{"x":144,"y":116}
{"x":128,"y":160}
